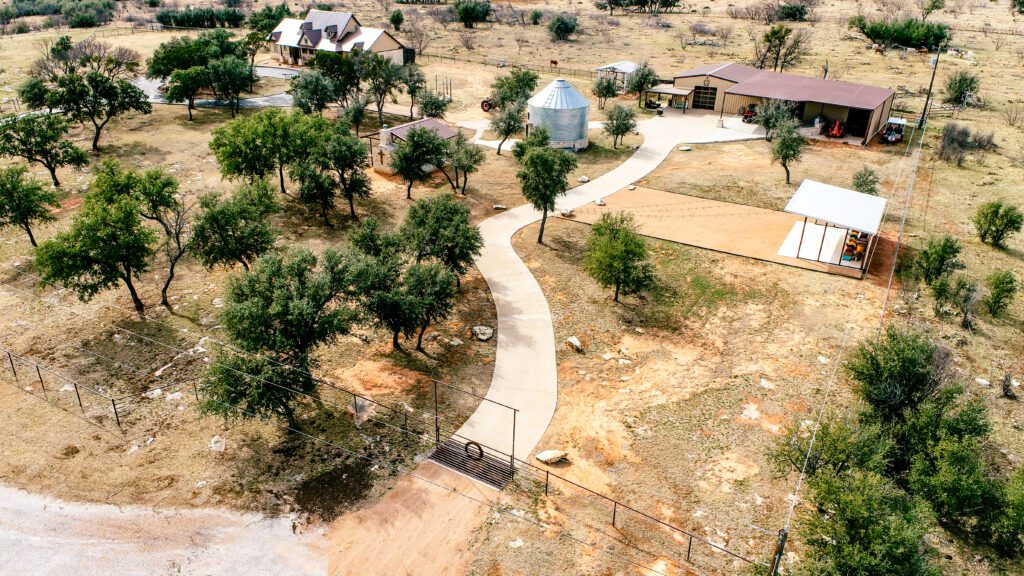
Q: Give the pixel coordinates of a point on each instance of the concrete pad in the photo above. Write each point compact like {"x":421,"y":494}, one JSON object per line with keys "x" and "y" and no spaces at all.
{"x":721,"y":226}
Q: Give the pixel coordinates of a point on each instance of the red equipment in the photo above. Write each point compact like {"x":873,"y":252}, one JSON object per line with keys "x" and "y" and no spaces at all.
{"x":837,"y":130}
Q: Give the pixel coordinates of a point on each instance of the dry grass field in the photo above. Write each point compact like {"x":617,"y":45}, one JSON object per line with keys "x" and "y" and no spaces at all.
{"x":675,"y":400}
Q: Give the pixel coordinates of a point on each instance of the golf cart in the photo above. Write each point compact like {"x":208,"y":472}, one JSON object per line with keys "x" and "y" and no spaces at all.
{"x":893,"y":131}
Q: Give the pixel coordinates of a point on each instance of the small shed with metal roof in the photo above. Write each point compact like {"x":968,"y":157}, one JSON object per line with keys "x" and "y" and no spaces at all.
{"x":563,"y":112}
{"x":620,"y":71}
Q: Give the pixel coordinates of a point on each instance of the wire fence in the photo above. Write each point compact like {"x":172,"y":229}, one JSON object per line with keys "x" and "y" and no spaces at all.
{"x":553,"y":67}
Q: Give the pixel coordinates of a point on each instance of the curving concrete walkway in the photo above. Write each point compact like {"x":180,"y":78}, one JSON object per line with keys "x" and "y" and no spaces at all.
{"x":525,"y":370}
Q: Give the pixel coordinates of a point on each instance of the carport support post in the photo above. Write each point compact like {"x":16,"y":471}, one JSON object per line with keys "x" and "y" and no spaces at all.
{"x":801,"y":244}
{"x":822,"y":245}
{"x":512,"y":456}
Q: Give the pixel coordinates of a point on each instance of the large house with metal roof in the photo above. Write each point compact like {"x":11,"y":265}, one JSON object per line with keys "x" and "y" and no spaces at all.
{"x":295,"y":41}
{"x":733,"y":87}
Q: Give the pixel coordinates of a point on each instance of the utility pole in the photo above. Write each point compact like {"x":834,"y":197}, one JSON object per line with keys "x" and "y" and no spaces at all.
{"x":928,"y":98}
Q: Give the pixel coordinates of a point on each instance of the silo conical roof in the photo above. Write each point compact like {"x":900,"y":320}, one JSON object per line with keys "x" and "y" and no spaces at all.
{"x":559,"y":95}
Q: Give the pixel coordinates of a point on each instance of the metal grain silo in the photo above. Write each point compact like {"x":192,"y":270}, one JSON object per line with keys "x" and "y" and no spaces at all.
{"x":564,"y":112}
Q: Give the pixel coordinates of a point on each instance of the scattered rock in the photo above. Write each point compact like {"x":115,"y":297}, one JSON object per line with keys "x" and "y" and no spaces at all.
{"x":217,"y":444}
{"x":574,"y":343}
{"x":362,"y":410}
{"x":173,"y":396}
{"x":455,"y":342}
{"x":600,"y":202}
{"x":583,"y":179}
{"x":608,"y":356}
{"x":983,"y":382}
{"x":118,"y":338}
{"x":500,"y":207}
{"x":822,"y":359}
{"x":551,"y":456}
{"x":201,"y":484}
{"x":766,"y":384}
{"x":218,"y":302}
{"x":624,"y":362}
{"x":632,"y":186}
{"x":625,"y":379}
{"x":152,"y":394}
{"x":517,"y":543}
{"x":150,"y":440}
{"x":685,"y":148}
{"x":567,"y":213}
{"x":483,"y":333}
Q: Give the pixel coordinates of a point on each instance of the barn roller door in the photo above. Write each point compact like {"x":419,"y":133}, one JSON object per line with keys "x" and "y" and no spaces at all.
{"x":704,"y":97}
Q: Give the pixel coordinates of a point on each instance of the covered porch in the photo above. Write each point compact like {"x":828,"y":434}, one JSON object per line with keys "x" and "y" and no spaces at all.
{"x":676,"y":97}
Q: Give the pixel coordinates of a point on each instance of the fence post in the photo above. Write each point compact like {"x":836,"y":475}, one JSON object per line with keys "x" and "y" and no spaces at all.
{"x":41,"y":383}
{"x":615,"y":512}
{"x":689,"y":546}
{"x":11,"y":360}
{"x":79,"y":396}
{"x":547,"y":477}
{"x":195,"y":390}
{"x":117,"y":417}
{"x":512,"y":456}
{"x":437,"y":424}
{"x":780,"y":548}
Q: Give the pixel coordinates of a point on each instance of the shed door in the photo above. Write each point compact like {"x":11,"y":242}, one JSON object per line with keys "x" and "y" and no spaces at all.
{"x":704,"y":97}
{"x":857,"y":122}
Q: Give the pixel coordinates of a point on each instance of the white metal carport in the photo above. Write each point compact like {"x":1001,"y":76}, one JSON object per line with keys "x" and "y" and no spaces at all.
{"x":840,"y":226}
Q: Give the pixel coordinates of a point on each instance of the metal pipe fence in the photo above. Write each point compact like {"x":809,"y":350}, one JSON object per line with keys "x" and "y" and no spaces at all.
{"x":625,"y":525}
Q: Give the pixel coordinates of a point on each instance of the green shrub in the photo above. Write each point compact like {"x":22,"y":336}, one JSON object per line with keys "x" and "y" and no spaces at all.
{"x":962,"y":89}
{"x":996,"y":221}
{"x":563,"y":26}
{"x":153,"y":3}
{"x":960,"y":294}
{"x":536,"y":16}
{"x":840,"y":446}
{"x":939,"y":259}
{"x":792,"y":12}
{"x":864,"y":524}
{"x":1008,"y":531}
{"x":896,"y":373}
{"x":909,"y":32}
{"x":396,"y":19}
{"x":955,"y":479}
{"x":470,"y":12}
{"x":1002,"y":287}
{"x":865,"y":181}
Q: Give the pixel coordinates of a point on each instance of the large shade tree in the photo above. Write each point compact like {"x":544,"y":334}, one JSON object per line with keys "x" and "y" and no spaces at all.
{"x":544,"y":177}
{"x":106,"y":244}
{"x":421,"y":148}
{"x":40,"y":138}
{"x":276,"y":316}
{"x":234,"y":229}
{"x":439,"y":228}
{"x":255,"y":145}
{"x":617,"y":256}
{"x":331,"y":165}
{"x":24,"y":201}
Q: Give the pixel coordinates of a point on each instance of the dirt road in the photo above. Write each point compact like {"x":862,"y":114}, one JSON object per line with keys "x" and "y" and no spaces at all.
{"x":41,"y":536}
